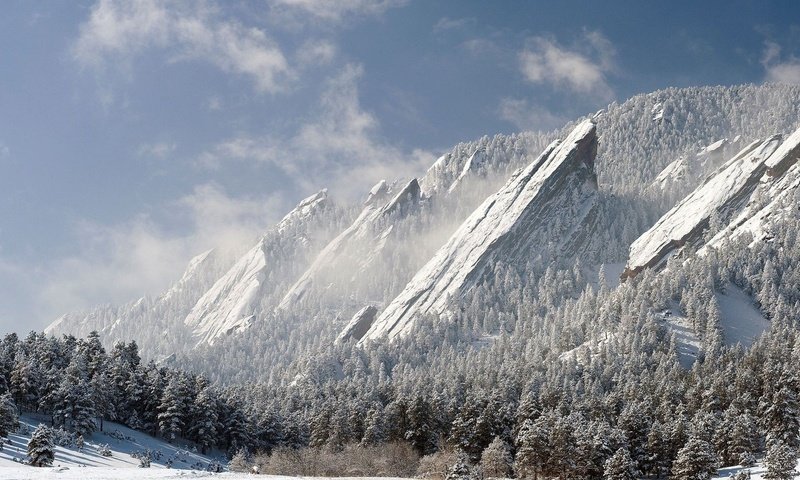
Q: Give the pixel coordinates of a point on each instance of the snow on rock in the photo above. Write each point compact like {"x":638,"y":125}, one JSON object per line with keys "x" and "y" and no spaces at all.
{"x":722,"y":193}
{"x":785,"y":156}
{"x":757,"y":219}
{"x":688,"y":168}
{"x":229,"y":305}
{"x":475,"y":163}
{"x":359,"y":324}
{"x":557,"y":192}
{"x":196,"y":265}
{"x":657,"y":112}
{"x":363,"y":228}
{"x":163,"y":314}
{"x":379,"y":190}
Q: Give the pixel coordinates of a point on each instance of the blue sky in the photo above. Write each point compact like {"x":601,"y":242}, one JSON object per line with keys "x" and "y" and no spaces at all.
{"x":134,"y":135}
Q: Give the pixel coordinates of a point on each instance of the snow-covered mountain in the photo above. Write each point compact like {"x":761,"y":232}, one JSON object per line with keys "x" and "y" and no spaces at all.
{"x":162,"y":316}
{"x":554,"y":194}
{"x":725,"y":196}
{"x":636,"y":184}
{"x":230,"y":304}
{"x":356,"y":247}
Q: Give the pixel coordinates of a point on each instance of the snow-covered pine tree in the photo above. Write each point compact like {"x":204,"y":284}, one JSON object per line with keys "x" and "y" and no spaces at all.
{"x":620,"y":466}
{"x":41,"y":450}
{"x":172,"y":409}
{"x":695,"y":461}
{"x":375,"y":432}
{"x":421,"y":433}
{"x":205,"y":420}
{"x":780,"y":462}
{"x":533,"y":448}
{"x":781,"y":416}
{"x":9,"y":416}
{"x":496,"y":460}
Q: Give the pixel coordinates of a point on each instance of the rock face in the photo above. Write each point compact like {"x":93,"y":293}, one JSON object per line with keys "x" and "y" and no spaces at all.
{"x":359,"y":324}
{"x":475,"y":163}
{"x":774,"y":199}
{"x":549,"y":201}
{"x":229,"y":305}
{"x":695,"y":166}
{"x":359,"y":243}
{"x":766,"y":166}
{"x":162,"y":315}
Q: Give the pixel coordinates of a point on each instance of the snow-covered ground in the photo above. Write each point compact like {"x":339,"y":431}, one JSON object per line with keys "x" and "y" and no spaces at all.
{"x":123,"y":443}
{"x":757,"y":471}
{"x":24,"y":472}
{"x":686,"y":340}
{"x":741,"y":322}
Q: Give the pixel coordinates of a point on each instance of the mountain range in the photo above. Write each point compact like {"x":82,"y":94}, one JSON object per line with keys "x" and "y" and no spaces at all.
{"x":640,"y":186}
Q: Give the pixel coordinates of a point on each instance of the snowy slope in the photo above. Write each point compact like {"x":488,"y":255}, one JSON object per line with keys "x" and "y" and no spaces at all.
{"x":749,"y":192}
{"x":230,"y":304}
{"x":721,"y":194}
{"x":359,"y":244}
{"x":147,"y":318}
{"x":475,"y":163}
{"x":556,"y":191}
{"x":687,"y":169}
{"x":122,"y":441}
{"x":741,"y":321}
{"x":758,"y":218}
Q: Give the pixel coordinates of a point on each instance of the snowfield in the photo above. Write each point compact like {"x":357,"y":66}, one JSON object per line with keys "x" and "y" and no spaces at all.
{"x":123,"y":443}
{"x":24,"y":472}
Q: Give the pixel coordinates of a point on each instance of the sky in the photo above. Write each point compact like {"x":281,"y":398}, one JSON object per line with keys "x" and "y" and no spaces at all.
{"x":135,"y":135}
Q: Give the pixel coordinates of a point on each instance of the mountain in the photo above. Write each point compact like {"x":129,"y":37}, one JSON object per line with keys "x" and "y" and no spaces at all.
{"x":665,"y":180}
{"x":675,"y":181}
{"x":230,"y":304}
{"x":162,"y":316}
{"x":353,"y":250}
{"x":554,"y":195}
{"x":723,"y":197}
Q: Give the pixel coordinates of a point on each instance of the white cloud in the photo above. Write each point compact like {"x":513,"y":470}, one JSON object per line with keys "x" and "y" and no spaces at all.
{"x":340,"y":148}
{"x":331,"y":11}
{"x":158,"y":150}
{"x":315,"y":53}
{"x":527,"y":116}
{"x":117,"y":31}
{"x":118,"y":263}
{"x":446,"y":23}
{"x":786,"y":71}
{"x":4,"y":150}
{"x":582,"y":69}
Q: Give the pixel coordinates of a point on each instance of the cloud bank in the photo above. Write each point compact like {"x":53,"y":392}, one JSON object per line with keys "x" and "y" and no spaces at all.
{"x":117,"y":31}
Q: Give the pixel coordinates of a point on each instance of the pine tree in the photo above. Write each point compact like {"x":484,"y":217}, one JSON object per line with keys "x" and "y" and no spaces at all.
{"x":235,"y":426}
{"x":172,"y":410}
{"x":205,"y":421}
{"x":463,"y":469}
{"x":695,"y":461}
{"x":620,"y":466}
{"x":496,"y":460}
{"x":74,"y":408}
{"x":781,"y":417}
{"x":780,"y":462}
{"x":421,"y":432}
{"x":41,"y":450}
{"x":9,"y":416}
{"x":375,"y":432}
{"x":533,"y":448}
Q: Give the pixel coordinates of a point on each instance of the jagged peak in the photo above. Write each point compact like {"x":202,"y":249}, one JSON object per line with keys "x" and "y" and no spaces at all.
{"x":504,"y":225}
{"x":303,"y":210}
